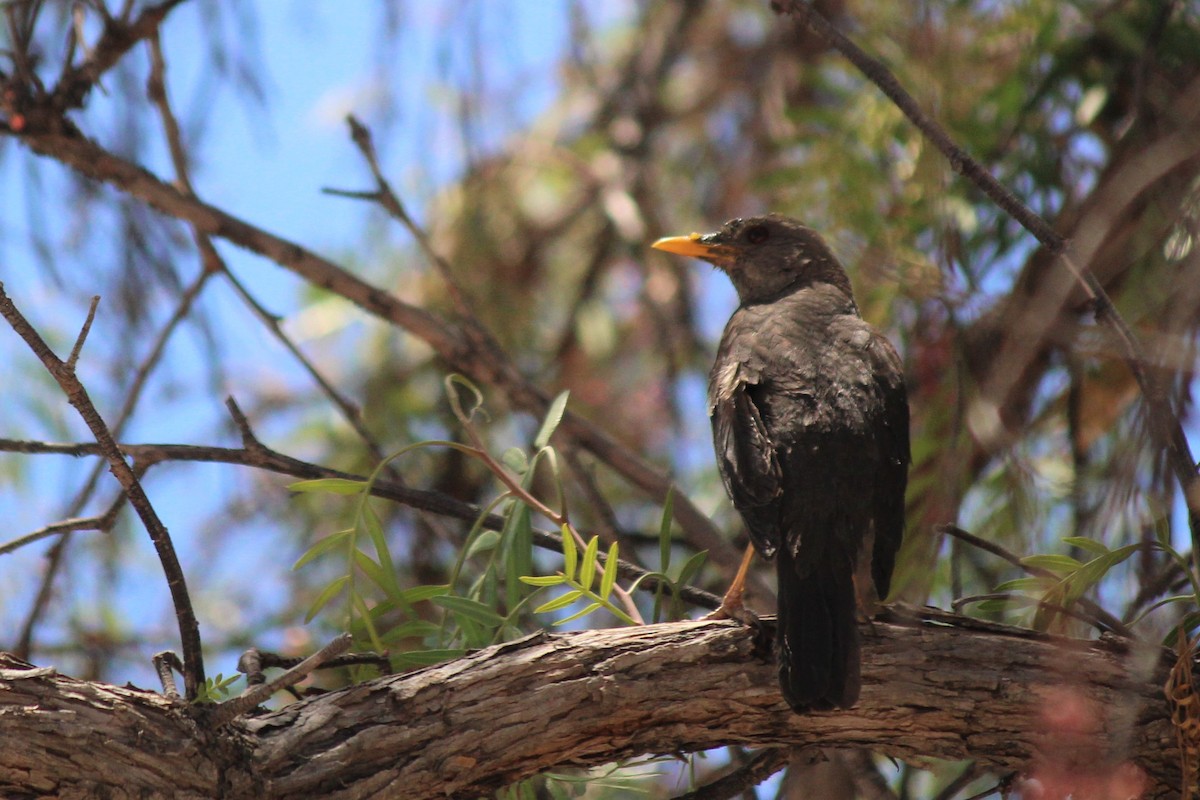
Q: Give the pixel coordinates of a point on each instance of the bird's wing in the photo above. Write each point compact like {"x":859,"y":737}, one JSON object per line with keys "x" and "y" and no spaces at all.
{"x":893,"y":449}
{"x":746,"y":456}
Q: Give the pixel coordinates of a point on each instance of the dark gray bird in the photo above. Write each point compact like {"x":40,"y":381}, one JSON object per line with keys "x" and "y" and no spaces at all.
{"x":810,"y":423}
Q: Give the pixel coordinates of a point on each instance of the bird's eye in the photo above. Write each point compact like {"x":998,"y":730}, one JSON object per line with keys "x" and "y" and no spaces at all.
{"x":757,"y":234}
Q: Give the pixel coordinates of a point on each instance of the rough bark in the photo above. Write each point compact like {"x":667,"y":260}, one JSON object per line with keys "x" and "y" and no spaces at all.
{"x":935,"y":687}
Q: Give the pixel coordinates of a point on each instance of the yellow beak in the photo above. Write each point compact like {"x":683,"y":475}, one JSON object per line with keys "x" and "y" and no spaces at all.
{"x":685,"y":246}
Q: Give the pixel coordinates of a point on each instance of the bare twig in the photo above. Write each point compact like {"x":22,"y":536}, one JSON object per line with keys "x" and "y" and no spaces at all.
{"x":390,"y":201}
{"x":761,"y":766}
{"x":189,"y":629}
{"x":451,"y":344}
{"x":137,"y":385}
{"x":101,"y":522}
{"x":166,"y":664}
{"x":258,"y":456}
{"x":83,"y":333}
{"x":260,"y":693}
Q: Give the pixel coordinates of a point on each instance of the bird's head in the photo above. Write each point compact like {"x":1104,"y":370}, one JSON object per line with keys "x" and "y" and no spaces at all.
{"x":765,"y":257}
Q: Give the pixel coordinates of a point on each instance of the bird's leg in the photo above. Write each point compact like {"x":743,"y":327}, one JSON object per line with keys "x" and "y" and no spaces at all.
{"x":732,"y":605}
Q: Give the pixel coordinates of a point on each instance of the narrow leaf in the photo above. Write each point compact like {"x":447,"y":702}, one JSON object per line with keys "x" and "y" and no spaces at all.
{"x":483,"y":542}
{"x":515,"y":459}
{"x":691,"y":567}
{"x":389,"y":579}
{"x":542,"y":580}
{"x":609,"y":578}
{"x":329,"y":486}
{"x":419,"y":593}
{"x":323,"y":546}
{"x":1084,"y":543}
{"x":328,"y":593}
{"x":664,"y":530}
{"x":1053,"y":562}
{"x":1023,"y":585}
{"x":579,"y":614}
{"x":562,"y":601}
{"x":554,"y":415}
{"x":425,"y":658}
{"x":587,"y":569}
{"x":472,"y":609}
{"x":570,"y":556}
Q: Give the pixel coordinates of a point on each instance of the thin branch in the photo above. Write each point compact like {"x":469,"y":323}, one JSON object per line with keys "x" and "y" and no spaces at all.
{"x":189,"y":629}
{"x":390,"y":201}
{"x":256,"y":695}
{"x":118,"y":37}
{"x":258,"y":456}
{"x":140,"y":378}
{"x":761,"y":766}
{"x":460,"y":351}
{"x":83,"y":333}
{"x":101,"y":522}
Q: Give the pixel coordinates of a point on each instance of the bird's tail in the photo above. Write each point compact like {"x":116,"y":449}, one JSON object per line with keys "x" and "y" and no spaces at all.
{"x":817,"y":639}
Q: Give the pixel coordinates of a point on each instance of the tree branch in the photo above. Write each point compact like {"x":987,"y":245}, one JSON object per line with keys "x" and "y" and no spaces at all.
{"x":77,"y":395}
{"x":939,"y":687}
{"x":460,"y":351}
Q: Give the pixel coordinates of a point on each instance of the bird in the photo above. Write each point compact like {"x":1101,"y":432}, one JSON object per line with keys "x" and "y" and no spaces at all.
{"x":810,"y":418}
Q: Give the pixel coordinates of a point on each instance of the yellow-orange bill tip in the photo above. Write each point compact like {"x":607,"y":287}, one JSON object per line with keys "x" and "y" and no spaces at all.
{"x":689,"y":245}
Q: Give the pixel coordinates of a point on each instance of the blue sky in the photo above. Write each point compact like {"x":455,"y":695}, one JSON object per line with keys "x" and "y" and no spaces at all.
{"x":266,"y":162}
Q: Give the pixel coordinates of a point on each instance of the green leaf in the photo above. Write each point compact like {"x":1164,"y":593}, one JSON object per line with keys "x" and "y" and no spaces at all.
{"x":1023,"y":585}
{"x":329,"y":486}
{"x":483,"y":542}
{"x":543,"y":580}
{"x":1084,"y":543}
{"x":562,"y":601}
{"x":518,"y":553}
{"x":998,"y":605}
{"x":426,"y":592}
{"x":388,"y":577}
{"x":515,"y":459}
{"x":609,"y":578}
{"x":413,"y":629}
{"x":664,"y":530}
{"x":328,"y":593}
{"x":570,"y":556}
{"x":587,"y":569}
{"x":579,"y":614}
{"x":1094,"y":571}
{"x":471,"y":609}
{"x":323,"y":546}
{"x":691,"y":567}
{"x":425,"y":658}
{"x":370,"y":568}
{"x":1053,"y":562}
{"x":554,"y":415}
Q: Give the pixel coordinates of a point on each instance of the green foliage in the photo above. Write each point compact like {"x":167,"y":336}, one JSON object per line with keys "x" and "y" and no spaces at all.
{"x":580,"y":585}
{"x":217,"y":688}
{"x":480,"y":606}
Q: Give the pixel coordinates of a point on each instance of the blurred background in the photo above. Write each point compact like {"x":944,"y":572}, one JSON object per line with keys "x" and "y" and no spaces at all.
{"x":542,"y":146}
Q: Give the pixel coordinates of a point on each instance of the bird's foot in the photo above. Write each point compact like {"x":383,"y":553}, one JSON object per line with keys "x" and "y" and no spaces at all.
{"x":733,"y":604}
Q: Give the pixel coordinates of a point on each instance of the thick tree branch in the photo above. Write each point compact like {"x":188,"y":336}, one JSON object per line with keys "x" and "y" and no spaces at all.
{"x":940,"y":687}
